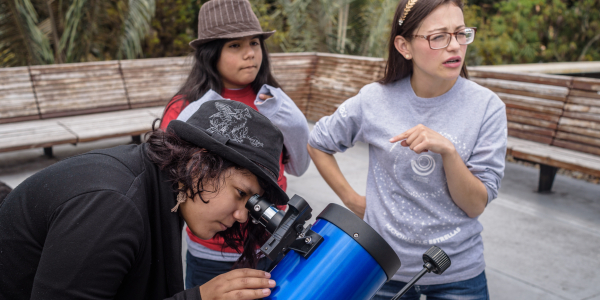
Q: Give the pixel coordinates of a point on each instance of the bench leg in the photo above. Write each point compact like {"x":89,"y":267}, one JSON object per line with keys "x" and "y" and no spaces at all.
{"x":48,"y":151}
{"x":547,"y":174}
{"x":136,"y":139}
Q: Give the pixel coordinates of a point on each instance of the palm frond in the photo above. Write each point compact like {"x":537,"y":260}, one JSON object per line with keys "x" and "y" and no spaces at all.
{"x":76,"y":34}
{"x":136,"y":27}
{"x":21,"y":41}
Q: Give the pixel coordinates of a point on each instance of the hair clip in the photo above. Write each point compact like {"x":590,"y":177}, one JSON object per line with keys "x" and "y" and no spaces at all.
{"x":407,"y":9}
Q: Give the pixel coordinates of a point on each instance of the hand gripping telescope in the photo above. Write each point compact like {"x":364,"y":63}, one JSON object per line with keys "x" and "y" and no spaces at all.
{"x":338,"y":257}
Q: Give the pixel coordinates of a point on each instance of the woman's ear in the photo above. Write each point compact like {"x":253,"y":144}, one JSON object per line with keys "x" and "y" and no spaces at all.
{"x":402,"y":46}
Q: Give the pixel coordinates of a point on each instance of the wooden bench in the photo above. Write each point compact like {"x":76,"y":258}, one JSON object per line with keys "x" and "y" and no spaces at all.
{"x":43,"y":106}
{"x":553,"y":120}
{"x":48,"y":105}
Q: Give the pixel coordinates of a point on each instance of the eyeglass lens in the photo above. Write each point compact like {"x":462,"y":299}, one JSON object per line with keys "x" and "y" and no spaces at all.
{"x":442,"y":40}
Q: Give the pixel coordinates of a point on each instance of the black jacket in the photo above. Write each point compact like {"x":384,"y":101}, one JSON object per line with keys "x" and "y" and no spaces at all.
{"x":94,"y":226}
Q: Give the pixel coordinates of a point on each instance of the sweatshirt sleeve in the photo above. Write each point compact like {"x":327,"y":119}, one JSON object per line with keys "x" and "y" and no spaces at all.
{"x":488,"y":157}
{"x":174,"y":107}
{"x":91,"y":244}
{"x":341,"y":130}
{"x":284,"y":113}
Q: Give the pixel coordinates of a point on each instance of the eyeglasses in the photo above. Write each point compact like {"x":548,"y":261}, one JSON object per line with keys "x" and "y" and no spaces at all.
{"x":441,"y":40}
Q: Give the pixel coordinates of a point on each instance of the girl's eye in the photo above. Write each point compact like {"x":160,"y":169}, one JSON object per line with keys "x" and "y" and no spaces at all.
{"x":242,"y":193}
{"x":254,"y":43}
{"x":234,"y":46}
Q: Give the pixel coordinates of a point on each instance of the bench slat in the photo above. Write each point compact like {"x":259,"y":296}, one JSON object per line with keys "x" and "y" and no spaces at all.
{"x":529,"y":136}
{"x":534,"y":115}
{"x":580,"y":130}
{"x":590,"y":84}
{"x":577,"y":146}
{"x":586,"y":94}
{"x":584,"y":101}
{"x":105,"y":125}
{"x":582,"y":116}
{"x":579,"y":123}
{"x":578,"y":138}
{"x":582,"y":108}
{"x":557,"y":80}
{"x":33,"y":134}
{"x":533,"y":129}
{"x":554,"y":156}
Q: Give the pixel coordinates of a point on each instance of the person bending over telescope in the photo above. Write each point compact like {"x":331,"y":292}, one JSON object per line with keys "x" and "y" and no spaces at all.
{"x":107,"y":224}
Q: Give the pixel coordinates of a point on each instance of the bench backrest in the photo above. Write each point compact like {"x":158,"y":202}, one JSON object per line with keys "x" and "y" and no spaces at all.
{"x":154,"y":81}
{"x":80,"y":88}
{"x":579,"y":126}
{"x":534,"y":103}
{"x":337,"y":78}
{"x":17,"y":100}
{"x":293,"y":72}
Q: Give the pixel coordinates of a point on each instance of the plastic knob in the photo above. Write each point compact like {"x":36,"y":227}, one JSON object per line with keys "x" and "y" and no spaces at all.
{"x":438,"y":259}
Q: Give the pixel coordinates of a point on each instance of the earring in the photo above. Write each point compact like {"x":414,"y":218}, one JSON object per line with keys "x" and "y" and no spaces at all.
{"x":181,"y":197}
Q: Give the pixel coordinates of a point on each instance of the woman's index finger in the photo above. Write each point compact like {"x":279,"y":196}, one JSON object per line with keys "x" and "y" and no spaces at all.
{"x":402,"y":136}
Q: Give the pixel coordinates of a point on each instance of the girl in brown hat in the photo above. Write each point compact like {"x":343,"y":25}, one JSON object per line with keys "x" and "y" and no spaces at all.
{"x":231,"y":62}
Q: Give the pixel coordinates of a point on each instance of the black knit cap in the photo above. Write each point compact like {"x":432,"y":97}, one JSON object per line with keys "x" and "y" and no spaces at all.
{"x":238,"y":133}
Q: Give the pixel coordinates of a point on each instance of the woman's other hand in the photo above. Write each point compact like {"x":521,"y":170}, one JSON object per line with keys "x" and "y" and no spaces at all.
{"x":422,"y":139}
{"x":238,"y":284}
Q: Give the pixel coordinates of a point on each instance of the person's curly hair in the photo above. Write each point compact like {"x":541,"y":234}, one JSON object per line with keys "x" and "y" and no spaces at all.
{"x":191,"y":168}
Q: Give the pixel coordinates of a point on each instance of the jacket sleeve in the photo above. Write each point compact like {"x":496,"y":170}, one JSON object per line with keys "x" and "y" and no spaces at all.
{"x":284,"y":113}
{"x":92,"y":242}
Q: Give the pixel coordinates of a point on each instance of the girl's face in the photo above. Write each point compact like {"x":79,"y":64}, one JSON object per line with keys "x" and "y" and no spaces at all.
{"x":225,"y":206}
{"x":239,"y":62}
{"x":441,"y":64}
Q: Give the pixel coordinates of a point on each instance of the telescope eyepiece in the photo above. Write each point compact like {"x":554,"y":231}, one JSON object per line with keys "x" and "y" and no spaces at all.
{"x":264,"y":212}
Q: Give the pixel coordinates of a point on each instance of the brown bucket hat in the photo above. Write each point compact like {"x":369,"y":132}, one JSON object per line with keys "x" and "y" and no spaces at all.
{"x":227,"y":19}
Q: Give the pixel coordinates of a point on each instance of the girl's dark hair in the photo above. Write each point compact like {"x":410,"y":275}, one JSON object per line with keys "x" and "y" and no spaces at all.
{"x":397,"y":67}
{"x":205,"y":76}
{"x":190,"y":168}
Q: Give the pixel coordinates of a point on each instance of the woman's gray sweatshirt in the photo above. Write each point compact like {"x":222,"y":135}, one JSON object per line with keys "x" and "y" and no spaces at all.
{"x":408,"y":200}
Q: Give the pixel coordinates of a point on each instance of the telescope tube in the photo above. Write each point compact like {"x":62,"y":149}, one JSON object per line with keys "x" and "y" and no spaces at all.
{"x":352,"y":262}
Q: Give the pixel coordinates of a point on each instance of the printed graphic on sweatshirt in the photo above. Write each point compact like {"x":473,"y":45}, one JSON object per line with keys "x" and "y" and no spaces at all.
{"x":415,"y":191}
{"x":231,"y":123}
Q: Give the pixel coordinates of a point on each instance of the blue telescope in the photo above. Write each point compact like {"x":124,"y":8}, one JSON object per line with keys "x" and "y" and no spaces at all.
{"x":339,"y":257}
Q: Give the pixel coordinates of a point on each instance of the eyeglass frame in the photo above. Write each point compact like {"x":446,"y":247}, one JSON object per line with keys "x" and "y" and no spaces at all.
{"x":427,"y":37}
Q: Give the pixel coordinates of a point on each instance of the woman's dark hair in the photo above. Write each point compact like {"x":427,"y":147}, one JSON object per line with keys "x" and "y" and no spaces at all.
{"x":398,"y":67}
{"x":190,"y":168}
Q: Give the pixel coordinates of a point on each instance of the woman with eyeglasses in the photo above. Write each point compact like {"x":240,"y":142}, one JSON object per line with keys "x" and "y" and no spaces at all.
{"x":437,"y":143}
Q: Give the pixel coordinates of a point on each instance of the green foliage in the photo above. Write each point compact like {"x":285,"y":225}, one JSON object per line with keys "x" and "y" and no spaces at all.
{"x":72,"y":30}
{"x":509,"y":31}
{"x":174,"y":26}
{"x":529,"y":31}
{"x":21,"y":41}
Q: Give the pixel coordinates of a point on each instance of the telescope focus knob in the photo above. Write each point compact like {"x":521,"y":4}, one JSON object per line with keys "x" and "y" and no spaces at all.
{"x":437,"y":259}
